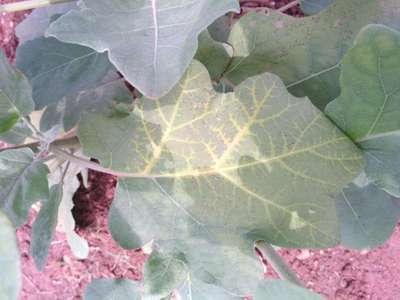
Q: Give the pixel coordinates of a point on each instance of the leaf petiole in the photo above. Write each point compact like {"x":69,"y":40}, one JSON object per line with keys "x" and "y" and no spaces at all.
{"x":284,"y":271}
{"x":289,"y":6}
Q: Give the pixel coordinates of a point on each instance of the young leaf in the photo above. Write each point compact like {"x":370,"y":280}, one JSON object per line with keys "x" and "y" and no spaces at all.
{"x":44,"y":226}
{"x":56,"y":69}
{"x":258,"y":160}
{"x":225,"y":260}
{"x":283,"y":290}
{"x":15,"y":95}
{"x":368,"y":109}
{"x":367,"y":216}
{"x":10,"y":273}
{"x":305,"y":52}
{"x":34,"y":25}
{"x":150,"y":42}
{"x":112,"y":289}
{"x":162,"y":274}
{"x":23,"y":181}
{"x":196,"y":264}
{"x":312,"y":7}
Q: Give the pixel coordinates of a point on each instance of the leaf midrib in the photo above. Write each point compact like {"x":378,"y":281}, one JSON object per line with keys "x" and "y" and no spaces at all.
{"x":214,"y":171}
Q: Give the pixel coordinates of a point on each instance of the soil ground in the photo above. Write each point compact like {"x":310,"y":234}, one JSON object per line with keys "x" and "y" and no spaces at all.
{"x":336,"y":273}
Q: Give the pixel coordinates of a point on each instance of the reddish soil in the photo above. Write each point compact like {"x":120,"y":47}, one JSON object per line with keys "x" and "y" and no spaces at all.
{"x":336,"y":273}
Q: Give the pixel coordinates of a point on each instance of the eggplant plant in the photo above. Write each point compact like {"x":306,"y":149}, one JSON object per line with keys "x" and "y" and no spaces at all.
{"x":241,"y":136}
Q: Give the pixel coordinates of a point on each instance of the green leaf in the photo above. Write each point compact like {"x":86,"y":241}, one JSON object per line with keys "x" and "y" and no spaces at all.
{"x":368,"y":108}
{"x":258,"y":160}
{"x":225,"y":261}
{"x":105,"y":98}
{"x":159,"y":38}
{"x":367,"y":216}
{"x":194,"y":289}
{"x":44,"y":226}
{"x":36,"y":23}
{"x":200,"y":267}
{"x":304,"y":52}
{"x":56,"y":69}
{"x":221,"y":28}
{"x":283,"y":290}
{"x":162,"y":274}
{"x":10,"y":272}
{"x":23,"y":181}
{"x":312,"y":7}
{"x":215,"y":56}
{"x":15,"y":95}
{"x":16,"y":135}
{"x":112,"y":289}
{"x":8,"y":121}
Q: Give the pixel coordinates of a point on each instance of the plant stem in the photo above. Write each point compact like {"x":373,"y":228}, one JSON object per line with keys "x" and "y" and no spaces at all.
{"x":283,"y":270}
{"x":289,"y":6}
{"x":71,"y":142}
{"x":87,"y":163}
{"x":37,"y":135}
{"x":30,"y":4}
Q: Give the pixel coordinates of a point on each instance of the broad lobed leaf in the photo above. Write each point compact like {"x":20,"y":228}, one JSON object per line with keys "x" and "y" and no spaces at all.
{"x":150,"y":42}
{"x":305,"y":52}
{"x":258,"y":161}
{"x":368,"y":109}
